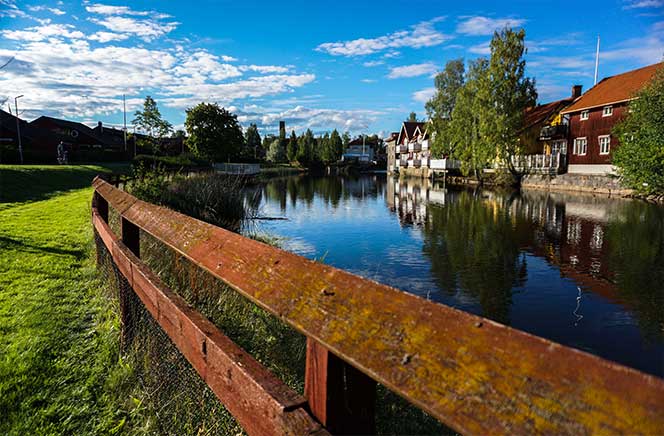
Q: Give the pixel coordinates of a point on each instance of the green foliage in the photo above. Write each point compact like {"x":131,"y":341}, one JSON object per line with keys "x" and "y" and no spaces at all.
{"x":640,"y":156}
{"x":291,"y":147}
{"x":305,"y":148}
{"x":253,"y":141}
{"x":412,"y":117}
{"x":276,"y":151}
{"x":439,"y":109}
{"x":512,"y":93}
{"x":150,"y":121}
{"x":489,"y":107}
{"x":469,"y":126}
{"x":180,"y":162}
{"x":345,"y":139}
{"x":337,"y":145}
{"x":214,"y":133}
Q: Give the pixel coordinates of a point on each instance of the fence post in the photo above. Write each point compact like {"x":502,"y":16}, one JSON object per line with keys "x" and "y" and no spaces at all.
{"x":131,"y":236}
{"x":102,"y":206}
{"x":342,"y":398}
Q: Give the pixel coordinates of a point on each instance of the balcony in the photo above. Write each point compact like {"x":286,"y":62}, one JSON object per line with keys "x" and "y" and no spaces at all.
{"x":402,"y":149}
{"x":417,"y":163}
{"x":403,"y":163}
{"x":425,"y":144}
{"x":415,"y":146}
{"x":553,"y":132}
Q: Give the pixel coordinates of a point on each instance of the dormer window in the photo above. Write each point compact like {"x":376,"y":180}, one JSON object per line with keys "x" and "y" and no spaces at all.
{"x":607,"y":111}
{"x":585,"y":115}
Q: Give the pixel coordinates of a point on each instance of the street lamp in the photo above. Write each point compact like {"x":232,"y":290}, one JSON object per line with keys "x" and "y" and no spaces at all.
{"x":18,"y":129}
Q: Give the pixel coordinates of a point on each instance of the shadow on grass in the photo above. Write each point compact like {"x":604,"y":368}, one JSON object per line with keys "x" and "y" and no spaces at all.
{"x":39,"y":182}
{"x":14,"y":244}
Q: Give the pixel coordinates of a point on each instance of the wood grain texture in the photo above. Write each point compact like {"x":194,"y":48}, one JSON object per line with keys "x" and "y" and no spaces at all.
{"x":473,"y":374}
{"x":261,"y":403}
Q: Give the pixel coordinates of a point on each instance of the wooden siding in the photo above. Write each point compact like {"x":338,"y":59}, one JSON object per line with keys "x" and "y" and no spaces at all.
{"x":595,"y":126}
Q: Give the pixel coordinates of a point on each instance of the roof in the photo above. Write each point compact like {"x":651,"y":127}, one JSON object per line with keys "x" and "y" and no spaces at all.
{"x":359,"y":141}
{"x":66,"y":123}
{"x":538,"y":114}
{"x":615,"y":89}
{"x":410,"y":128}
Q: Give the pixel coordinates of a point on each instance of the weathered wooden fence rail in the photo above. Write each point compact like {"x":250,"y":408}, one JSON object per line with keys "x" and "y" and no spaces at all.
{"x":475,"y":375}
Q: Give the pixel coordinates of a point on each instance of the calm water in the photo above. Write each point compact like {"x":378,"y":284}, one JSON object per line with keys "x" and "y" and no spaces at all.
{"x":584,"y":271}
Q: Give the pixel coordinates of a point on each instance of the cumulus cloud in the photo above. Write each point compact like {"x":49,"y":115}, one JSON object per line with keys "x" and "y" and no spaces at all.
{"x":420,"y":35}
{"x":146,"y":29}
{"x":486,"y":26}
{"x":41,"y":33}
{"x":412,"y":70}
{"x":54,"y":11}
{"x":424,"y":95}
{"x":102,"y":36}
{"x":263,"y":69}
{"x":481,"y":49}
{"x":373,"y":63}
{"x":102,"y":9}
{"x":300,"y":118}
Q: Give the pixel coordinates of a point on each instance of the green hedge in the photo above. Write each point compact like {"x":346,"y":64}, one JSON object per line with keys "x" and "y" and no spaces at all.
{"x":170,"y":162}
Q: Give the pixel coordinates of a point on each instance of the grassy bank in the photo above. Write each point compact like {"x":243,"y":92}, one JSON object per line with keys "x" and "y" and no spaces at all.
{"x":59,"y":366}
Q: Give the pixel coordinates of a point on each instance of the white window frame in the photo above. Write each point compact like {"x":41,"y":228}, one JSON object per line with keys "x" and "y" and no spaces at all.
{"x":585,"y":115}
{"x":608,"y":144}
{"x":607,"y":111}
{"x":575,"y":149}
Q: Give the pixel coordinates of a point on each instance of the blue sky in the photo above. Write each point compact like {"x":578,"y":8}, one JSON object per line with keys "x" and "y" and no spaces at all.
{"x":353,"y":65}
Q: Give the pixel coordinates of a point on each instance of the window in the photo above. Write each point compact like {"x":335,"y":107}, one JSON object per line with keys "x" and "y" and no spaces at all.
{"x":607,"y":111}
{"x":580,"y":146}
{"x":585,"y":115}
{"x":604,"y":144}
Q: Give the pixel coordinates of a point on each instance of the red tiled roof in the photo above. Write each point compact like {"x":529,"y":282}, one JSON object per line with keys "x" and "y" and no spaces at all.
{"x":615,"y":89}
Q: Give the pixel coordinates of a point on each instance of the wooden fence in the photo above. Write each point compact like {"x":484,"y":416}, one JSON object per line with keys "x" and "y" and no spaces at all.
{"x":473,"y":374}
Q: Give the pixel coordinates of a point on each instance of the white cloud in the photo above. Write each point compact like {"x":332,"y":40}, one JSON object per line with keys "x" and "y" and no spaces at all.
{"x":146,"y":29}
{"x":54,"y":11}
{"x":424,"y":95}
{"x":41,"y":33}
{"x":300,"y":118}
{"x":373,"y":63}
{"x":485,"y":25}
{"x":368,"y":80}
{"x":264,"y":69}
{"x":646,"y":50}
{"x":102,"y":36}
{"x":643,"y":4}
{"x":228,"y":58}
{"x":481,"y":49}
{"x":412,"y":70}
{"x":113,"y":10}
{"x":420,"y":35}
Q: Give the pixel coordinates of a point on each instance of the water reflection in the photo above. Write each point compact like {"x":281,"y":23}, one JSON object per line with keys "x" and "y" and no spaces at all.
{"x":584,"y":271}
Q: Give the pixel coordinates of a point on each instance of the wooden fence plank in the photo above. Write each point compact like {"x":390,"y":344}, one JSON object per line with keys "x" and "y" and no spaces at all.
{"x":260,"y":402}
{"x":475,"y":375}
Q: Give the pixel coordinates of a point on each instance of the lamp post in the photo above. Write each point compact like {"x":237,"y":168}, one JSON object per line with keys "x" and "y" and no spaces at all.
{"x":18,"y":129}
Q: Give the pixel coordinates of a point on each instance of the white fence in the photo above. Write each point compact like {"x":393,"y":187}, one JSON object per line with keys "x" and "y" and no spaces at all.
{"x":238,"y":168}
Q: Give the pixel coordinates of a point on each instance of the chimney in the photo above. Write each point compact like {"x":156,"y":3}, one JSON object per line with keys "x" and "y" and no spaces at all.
{"x":282,"y":126}
{"x":576,"y":91}
{"x":101,"y":127}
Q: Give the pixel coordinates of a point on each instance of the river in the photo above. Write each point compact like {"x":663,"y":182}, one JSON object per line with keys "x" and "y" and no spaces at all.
{"x":581,"y":270}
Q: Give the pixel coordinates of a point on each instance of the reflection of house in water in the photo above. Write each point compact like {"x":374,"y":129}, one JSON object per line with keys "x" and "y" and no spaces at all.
{"x":409,"y":198}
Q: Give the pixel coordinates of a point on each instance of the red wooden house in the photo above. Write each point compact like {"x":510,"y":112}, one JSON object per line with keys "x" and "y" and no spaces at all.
{"x":593,"y":116}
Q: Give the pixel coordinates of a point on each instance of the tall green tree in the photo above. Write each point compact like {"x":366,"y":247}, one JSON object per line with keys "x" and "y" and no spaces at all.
{"x":214,"y":132}
{"x":439,"y":109}
{"x":150,"y":121}
{"x":253,"y":140}
{"x":511,"y":94}
{"x":276,"y":151}
{"x":412,"y":117}
{"x":336,"y":145}
{"x":640,"y":156}
{"x":470,"y":125}
{"x":306,"y":144}
{"x":291,"y":147}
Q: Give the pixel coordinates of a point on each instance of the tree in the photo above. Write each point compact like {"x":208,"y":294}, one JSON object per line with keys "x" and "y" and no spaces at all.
{"x":470,"y":122}
{"x":150,"y":121}
{"x":511,"y":94}
{"x":291,"y":147}
{"x":412,"y":117}
{"x":345,"y":139}
{"x":336,"y":145}
{"x":325,"y":150}
{"x":214,"y":132}
{"x":439,"y":109}
{"x":276,"y":151}
{"x":306,"y":144}
{"x":640,"y":157}
{"x":253,"y":140}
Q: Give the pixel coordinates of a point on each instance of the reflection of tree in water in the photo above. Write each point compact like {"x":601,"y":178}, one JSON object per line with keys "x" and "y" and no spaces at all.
{"x":329,"y":189}
{"x":637,"y":255}
{"x":474,"y":248}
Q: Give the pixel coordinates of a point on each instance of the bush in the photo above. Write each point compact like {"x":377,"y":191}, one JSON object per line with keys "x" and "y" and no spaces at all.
{"x":640,"y":157}
{"x":180,"y":162}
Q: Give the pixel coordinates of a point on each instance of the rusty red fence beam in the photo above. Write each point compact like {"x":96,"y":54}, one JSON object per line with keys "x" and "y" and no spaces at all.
{"x":473,"y":374}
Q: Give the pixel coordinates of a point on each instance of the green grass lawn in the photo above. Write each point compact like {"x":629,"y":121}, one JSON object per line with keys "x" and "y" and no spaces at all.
{"x":58,"y":332}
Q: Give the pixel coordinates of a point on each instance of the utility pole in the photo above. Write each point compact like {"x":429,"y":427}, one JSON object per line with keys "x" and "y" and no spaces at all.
{"x":18,"y":129}
{"x":596,"y":60}
{"x":124,"y":105}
